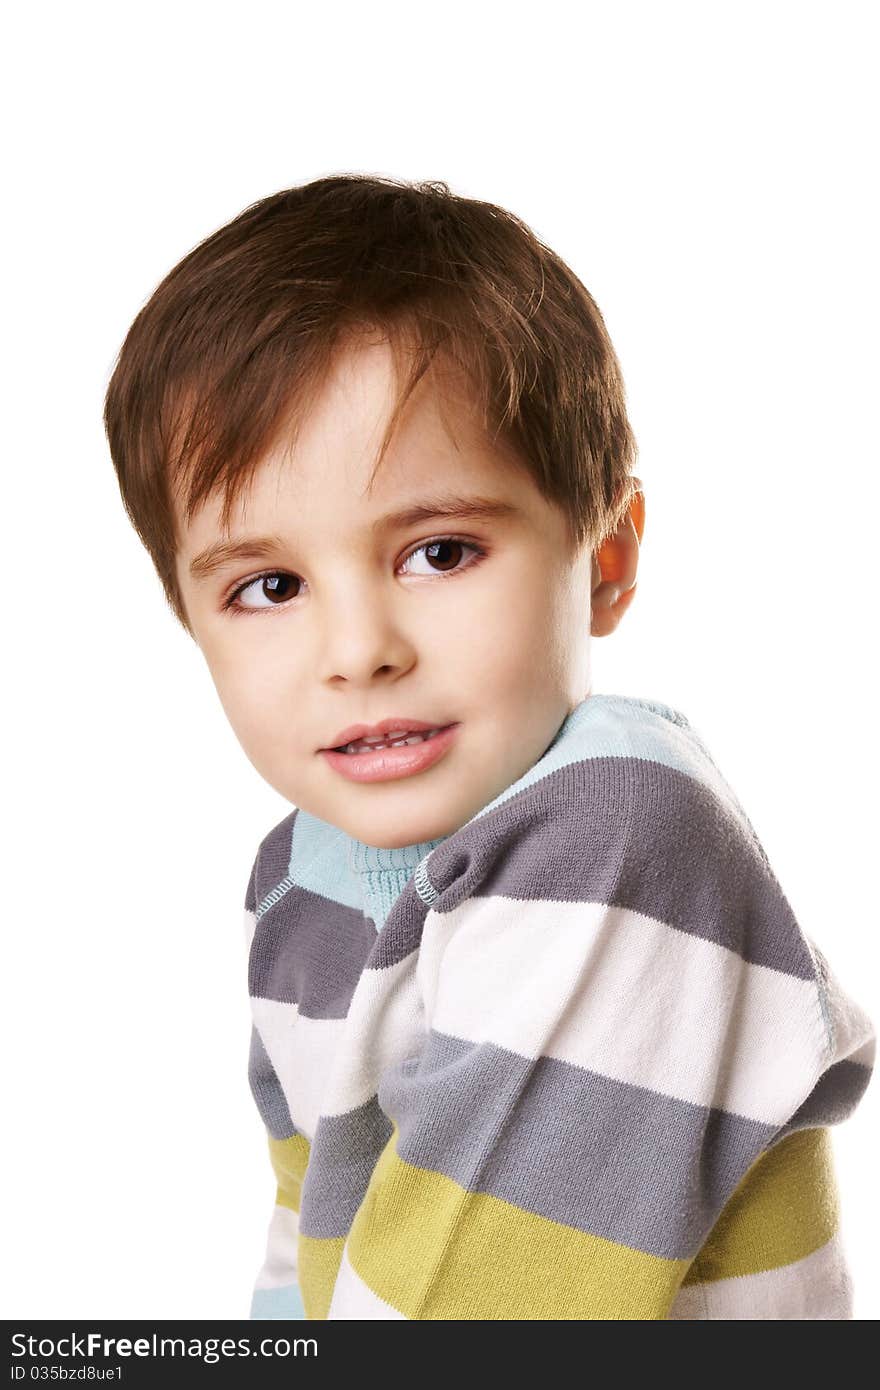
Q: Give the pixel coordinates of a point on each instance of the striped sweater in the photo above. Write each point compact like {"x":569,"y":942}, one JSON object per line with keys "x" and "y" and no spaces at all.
{"x":575,"y":1060}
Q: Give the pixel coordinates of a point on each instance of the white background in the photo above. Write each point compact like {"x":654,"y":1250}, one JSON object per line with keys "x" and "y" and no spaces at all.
{"x":709,"y":171}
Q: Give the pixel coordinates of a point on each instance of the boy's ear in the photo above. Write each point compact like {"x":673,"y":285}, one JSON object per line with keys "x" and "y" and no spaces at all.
{"x":614,"y":569}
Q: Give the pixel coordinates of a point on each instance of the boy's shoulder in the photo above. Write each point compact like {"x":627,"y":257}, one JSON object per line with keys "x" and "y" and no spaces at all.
{"x":628,"y":808}
{"x":271,"y":864}
{"x":306,"y":853}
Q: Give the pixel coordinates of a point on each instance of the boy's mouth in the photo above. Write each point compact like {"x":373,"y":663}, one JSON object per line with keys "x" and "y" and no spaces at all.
{"x":381,"y":760}
{"x":387,"y":733}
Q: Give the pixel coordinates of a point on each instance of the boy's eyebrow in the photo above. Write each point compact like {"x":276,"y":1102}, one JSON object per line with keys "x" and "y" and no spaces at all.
{"x":222,"y":553}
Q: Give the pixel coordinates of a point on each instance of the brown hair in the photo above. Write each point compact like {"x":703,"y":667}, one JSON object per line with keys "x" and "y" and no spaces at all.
{"x":223,"y":357}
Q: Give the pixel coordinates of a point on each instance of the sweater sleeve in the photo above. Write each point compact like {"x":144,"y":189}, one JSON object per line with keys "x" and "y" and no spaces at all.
{"x":620,"y":1104}
{"x":276,"y":1292}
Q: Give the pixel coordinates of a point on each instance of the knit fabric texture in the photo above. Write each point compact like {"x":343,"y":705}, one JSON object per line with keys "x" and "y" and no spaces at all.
{"x":575,"y":1060}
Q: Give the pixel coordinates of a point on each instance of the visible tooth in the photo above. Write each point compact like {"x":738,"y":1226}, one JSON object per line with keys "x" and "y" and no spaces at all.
{"x":375,"y":739}
{"x":374,"y":745}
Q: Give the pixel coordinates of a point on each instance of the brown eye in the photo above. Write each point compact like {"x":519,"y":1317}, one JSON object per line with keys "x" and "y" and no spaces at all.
{"x":275,"y":586}
{"x":278,"y":586}
{"x":439,"y":551}
{"x":444,"y":556}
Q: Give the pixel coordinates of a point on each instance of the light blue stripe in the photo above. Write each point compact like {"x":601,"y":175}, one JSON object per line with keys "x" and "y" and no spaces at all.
{"x":319,"y":861}
{"x":285,"y":1302}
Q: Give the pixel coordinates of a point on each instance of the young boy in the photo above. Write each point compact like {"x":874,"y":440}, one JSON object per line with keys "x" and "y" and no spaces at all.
{"x":535,"y":1032}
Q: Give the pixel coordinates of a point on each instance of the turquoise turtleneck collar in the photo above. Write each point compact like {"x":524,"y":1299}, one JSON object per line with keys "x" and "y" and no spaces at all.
{"x":384,"y":873}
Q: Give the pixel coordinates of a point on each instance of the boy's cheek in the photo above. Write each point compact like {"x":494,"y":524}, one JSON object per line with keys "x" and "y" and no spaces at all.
{"x":251,"y":707}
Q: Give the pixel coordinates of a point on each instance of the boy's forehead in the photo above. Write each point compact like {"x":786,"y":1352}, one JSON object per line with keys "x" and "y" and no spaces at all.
{"x":440,"y":459}
{"x":267,"y":523}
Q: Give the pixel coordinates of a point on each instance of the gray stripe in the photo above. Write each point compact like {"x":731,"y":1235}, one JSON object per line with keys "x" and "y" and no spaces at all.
{"x":599,"y":1155}
{"x":402,"y":932}
{"x":266,"y":1091}
{"x":634,"y":834}
{"x":250,"y":897}
{"x":833,"y":1098}
{"x":341,"y":1161}
{"x":309,"y":951}
{"x":273,"y":857}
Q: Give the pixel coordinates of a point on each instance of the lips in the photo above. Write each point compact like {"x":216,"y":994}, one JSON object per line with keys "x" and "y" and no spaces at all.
{"x":402,"y":725}
{"x":393,"y":763}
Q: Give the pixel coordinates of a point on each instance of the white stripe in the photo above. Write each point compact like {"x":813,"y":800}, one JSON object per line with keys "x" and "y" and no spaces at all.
{"x":250,"y":923}
{"x":818,"y":1287}
{"x":385,"y":1023}
{"x":301,"y":1051}
{"x":627,"y":996}
{"x":354,"y":1300}
{"x":332,"y":1066}
{"x":280,"y":1266}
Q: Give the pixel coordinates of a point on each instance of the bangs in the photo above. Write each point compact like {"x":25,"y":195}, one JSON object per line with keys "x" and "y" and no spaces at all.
{"x":222,"y":428}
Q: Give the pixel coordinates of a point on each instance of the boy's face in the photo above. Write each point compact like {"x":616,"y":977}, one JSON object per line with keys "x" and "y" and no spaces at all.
{"x":350,"y":624}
